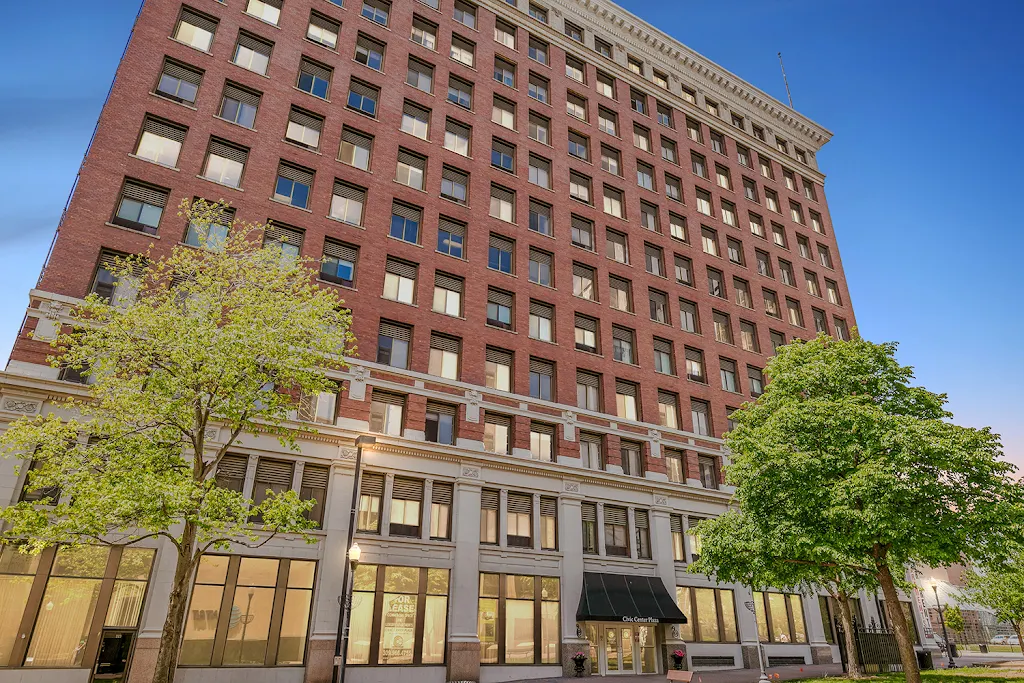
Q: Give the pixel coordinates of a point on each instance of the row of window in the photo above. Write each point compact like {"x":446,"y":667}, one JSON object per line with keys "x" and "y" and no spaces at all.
{"x":421,"y":75}
{"x":197,"y":30}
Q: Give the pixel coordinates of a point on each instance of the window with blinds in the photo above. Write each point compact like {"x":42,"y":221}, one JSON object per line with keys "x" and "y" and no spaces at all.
{"x":497,"y":433}
{"x":445,"y":353}
{"x":399,"y":280}
{"x":406,"y":507}
{"x":457,"y":137}
{"x":588,"y":390}
{"x":411,"y":169}
{"x":273,"y":477}
{"x":225,"y":162}
{"x":519,"y":520}
{"x":231,"y":472}
{"x":363,"y":97}
{"x":548,"y":523}
{"x":314,"y":487}
{"x":252,"y":52}
{"x":664,"y":361}
{"x":499,"y":308}
{"x":355,"y":149}
{"x":284,"y":237}
{"x":623,"y":347}
{"x":498,"y":369}
{"x":239,"y":104}
{"x":678,"y":548}
{"x":641,"y":521}
{"x":541,"y":267}
{"x":195,"y":28}
{"x":460,"y":92}
{"x":448,"y":290}
{"x":503,"y":155}
{"x":393,"y":341}
{"x":160,"y":141}
{"x":668,"y":409}
{"x":179,"y":81}
{"x":304,"y":128}
{"x":542,"y":321}
{"x":314,"y":78}
{"x":626,"y":400}
{"x":454,"y":184}
{"x":141,"y":206}
{"x":441,"y":496}
{"x":542,"y":442}
{"x":503,"y":204}
{"x":370,"y":52}
{"x":441,"y":419}
{"x":489,"y":516}
{"x":620,"y":292}
{"x":542,"y":377}
{"x":294,"y":184}
{"x":500,"y":252}
{"x":387,"y":413}
{"x":371,"y":497}
{"x":616,"y":531}
{"x":631,"y":454}
{"x":586,"y":333}
{"x":695,"y":365}
{"x":324,"y":30}
{"x":588,"y":513}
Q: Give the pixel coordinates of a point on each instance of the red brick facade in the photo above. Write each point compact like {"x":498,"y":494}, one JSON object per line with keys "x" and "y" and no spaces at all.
{"x":87,"y":227}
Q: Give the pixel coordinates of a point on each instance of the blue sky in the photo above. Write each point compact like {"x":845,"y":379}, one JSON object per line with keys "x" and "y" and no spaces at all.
{"x":923,"y":97}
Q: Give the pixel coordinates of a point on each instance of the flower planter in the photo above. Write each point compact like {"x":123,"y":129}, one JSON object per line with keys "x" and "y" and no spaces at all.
{"x":677,"y":675}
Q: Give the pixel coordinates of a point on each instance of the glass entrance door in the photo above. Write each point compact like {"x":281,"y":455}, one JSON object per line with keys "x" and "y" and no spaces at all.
{"x":114,"y":656}
{"x":628,"y":650}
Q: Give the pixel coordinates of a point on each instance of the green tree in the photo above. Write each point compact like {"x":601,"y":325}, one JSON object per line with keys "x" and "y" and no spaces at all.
{"x":851,"y":463}
{"x":955,"y":619}
{"x":227,"y":336}
{"x":738,"y":548}
{"x":1001,"y":589}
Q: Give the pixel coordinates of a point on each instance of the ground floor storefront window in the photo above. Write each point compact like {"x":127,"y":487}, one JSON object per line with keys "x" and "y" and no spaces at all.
{"x":518,"y":620}
{"x":399,"y":615}
{"x":780,"y":618}
{"x":248,"y":611}
{"x":65,"y":598}
{"x":711,"y":614}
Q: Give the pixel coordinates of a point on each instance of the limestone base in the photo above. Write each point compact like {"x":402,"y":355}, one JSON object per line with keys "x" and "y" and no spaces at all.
{"x":569,"y":666}
{"x":143,"y":664}
{"x":821,"y":654}
{"x":668,"y":663}
{"x":463,"y":661}
{"x":750,"y":660}
{"x":320,"y":661}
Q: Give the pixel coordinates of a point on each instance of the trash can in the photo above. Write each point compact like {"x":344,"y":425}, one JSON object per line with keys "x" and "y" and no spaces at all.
{"x":924,"y":660}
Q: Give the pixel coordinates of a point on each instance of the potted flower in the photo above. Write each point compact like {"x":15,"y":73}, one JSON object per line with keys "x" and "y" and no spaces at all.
{"x":677,"y":673}
{"x":579,"y":660}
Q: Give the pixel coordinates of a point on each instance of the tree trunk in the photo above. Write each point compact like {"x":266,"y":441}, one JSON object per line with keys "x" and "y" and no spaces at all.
{"x":898,"y":620}
{"x":174,"y":625}
{"x":1020,"y":639}
{"x":849,"y":637}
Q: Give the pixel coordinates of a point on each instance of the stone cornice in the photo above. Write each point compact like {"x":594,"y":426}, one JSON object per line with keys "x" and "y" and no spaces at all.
{"x":672,"y":53}
{"x":614,"y":23}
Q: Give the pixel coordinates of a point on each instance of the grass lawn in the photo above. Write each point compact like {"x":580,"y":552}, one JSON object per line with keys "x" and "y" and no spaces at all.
{"x":965,"y":675}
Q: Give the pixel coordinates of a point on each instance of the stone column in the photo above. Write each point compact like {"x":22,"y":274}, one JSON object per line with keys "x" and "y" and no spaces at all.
{"x":821,"y":651}
{"x":463,"y":641}
{"x":570,"y":541}
{"x":320,"y":660}
{"x":661,"y":544}
{"x":746,"y":622}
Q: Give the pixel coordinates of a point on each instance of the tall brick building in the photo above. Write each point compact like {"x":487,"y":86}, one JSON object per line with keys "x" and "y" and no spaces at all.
{"x":569,"y":244}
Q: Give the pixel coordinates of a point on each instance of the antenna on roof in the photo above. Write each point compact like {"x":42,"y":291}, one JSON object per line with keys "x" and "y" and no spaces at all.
{"x":786,"y":80}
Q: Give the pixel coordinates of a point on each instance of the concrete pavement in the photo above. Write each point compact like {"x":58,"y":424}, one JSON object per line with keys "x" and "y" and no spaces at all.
{"x":786,"y":673}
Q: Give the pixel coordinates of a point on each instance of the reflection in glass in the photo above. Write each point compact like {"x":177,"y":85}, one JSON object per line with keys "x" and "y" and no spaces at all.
{"x":60,"y":634}
{"x":201,"y":623}
{"x":519,"y":631}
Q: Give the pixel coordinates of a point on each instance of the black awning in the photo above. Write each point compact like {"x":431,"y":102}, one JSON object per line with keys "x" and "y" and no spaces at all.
{"x":632,"y":599}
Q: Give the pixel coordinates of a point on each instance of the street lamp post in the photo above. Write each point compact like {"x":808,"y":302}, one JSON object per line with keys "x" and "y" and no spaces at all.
{"x":950,"y":664}
{"x":749,"y":604}
{"x":345,"y":600}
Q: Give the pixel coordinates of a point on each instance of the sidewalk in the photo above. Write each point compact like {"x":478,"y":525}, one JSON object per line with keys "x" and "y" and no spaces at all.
{"x":785,"y":673}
